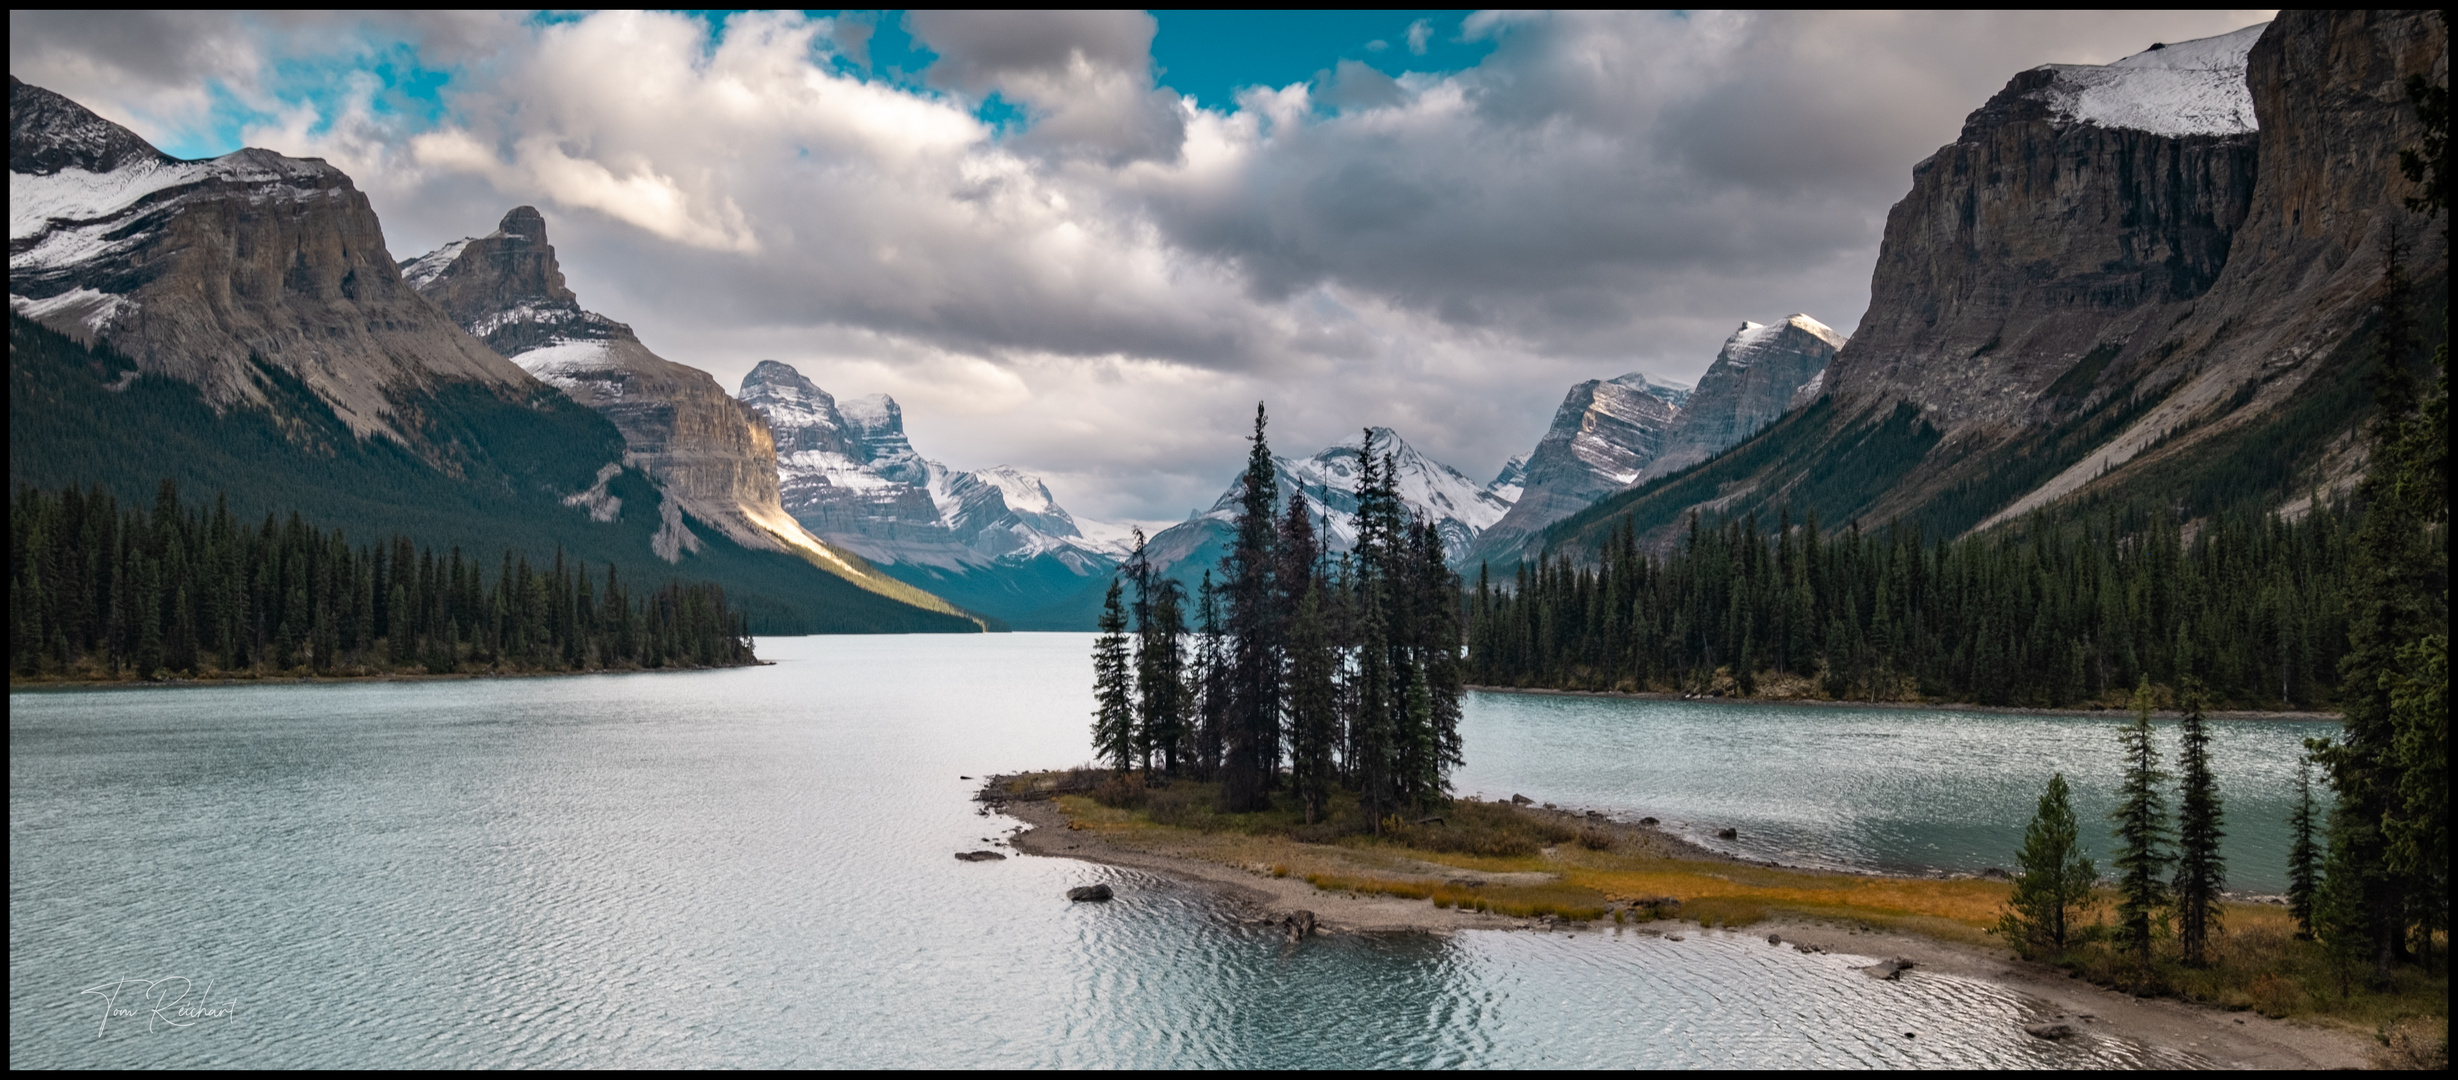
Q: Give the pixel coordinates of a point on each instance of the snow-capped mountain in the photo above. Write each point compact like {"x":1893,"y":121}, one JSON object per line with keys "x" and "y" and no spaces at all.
{"x":1460,"y":508}
{"x":1610,"y":434}
{"x":993,"y":540}
{"x":196,"y":269}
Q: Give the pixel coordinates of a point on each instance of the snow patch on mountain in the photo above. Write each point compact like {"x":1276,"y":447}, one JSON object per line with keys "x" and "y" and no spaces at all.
{"x":92,"y":309}
{"x":2189,"y":88}
{"x":1508,"y":484}
{"x":564,"y":364}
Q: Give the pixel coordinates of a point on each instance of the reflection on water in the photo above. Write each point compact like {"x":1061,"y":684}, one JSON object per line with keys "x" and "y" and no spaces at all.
{"x":1894,"y":789}
{"x":751,"y":868}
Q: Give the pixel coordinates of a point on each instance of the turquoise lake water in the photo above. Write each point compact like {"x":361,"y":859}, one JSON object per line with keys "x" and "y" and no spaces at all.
{"x":751,"y":868}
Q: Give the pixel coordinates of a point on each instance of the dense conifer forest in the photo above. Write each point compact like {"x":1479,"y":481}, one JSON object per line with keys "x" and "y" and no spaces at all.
{"x":98,"y":590}
{"x":2047,"y":616}
{"x":1326,"y":681}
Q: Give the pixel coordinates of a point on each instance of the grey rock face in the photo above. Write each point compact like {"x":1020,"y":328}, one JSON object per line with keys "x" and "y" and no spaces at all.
{"x":1755,"y":378}
{"x":1602,"y":436}
{"x":193,"y":267}
{"x":2158,"y":242}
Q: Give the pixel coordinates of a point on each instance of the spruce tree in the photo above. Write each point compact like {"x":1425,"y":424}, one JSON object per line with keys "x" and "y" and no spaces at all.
{"x":1209,"y":682}
{"x":2201,"y":872}
{"x":1314,"y":705}
{"x":2303,"y":858}
{"x":2142,"y":835}
{"x":1252,"y":747}
{"x":2054,"y":885}
{"x":1113,"y":690}
{"x":1164,"y":700}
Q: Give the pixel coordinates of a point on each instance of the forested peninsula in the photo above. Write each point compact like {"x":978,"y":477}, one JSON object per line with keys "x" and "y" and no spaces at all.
{"x":102,"y":592}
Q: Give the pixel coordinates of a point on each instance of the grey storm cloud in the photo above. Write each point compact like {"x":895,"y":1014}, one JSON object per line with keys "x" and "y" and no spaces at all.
{"x":1102,"y":293}
{"x":1084,"y":77}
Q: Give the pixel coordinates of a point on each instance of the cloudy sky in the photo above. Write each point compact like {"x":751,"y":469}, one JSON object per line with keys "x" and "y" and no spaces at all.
{"x":1088,"y":244}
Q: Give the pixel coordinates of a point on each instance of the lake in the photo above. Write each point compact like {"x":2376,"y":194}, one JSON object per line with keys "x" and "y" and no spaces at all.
{"x":752,"y":868}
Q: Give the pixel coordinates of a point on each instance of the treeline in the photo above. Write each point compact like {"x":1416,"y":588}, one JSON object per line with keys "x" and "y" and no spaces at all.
{"x":1300,"y":673}
{"x":101,"y":591}
{"x":2050,"y":616}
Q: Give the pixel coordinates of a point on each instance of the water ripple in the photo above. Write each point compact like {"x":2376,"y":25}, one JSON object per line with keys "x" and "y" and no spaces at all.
{"x":750,"y":869}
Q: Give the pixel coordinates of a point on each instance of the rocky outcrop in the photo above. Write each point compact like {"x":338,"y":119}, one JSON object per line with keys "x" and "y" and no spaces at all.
{"x":1604,"y":434}
{"x":1760,"y":372}
{"x":993,"y":540}
{"x":712,"y":455}
{"x":195,"y":269}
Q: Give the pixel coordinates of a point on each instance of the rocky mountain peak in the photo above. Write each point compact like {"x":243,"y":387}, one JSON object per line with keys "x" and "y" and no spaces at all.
{"x":1755,"y":377}
{"x":48,"y":133}
{"x":506,"y":288}
{"x":802,"y":416}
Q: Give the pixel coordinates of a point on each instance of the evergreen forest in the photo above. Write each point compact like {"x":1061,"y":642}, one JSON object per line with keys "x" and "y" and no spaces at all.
{"x":1329,"y":682}
{"x":2050,"y":616}
{"x":102,"y":591}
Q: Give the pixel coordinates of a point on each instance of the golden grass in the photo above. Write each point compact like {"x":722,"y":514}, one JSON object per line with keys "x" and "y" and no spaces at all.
{"x":2257,"y":963}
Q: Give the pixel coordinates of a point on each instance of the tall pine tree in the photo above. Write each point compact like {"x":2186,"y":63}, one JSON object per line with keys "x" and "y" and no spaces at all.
{"x":1113,"y":687}
{"x":2142,"y":835}
{"x":1251,"y":750}
{"x":2303,"y":857}
{"x":2201,"y":872}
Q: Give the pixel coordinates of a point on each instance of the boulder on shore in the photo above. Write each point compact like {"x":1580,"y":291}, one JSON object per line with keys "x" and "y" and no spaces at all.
{"x":1088,"y":892}
{"x":1889,"y":970}
{"x":2051,"y":1032}
{"x":1300,"y":924}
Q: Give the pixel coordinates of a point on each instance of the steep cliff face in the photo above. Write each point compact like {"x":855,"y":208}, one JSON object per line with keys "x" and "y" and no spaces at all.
{"x":1754,"y":378}
{"x":2305,"y":266}
{"x":993,"y":540}
{"x":712,"y":455}
{"x":2147,"y":282}
{"x":2073,"y":212}
{"x":1605,"y":433}
{"x":192,"y":267}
